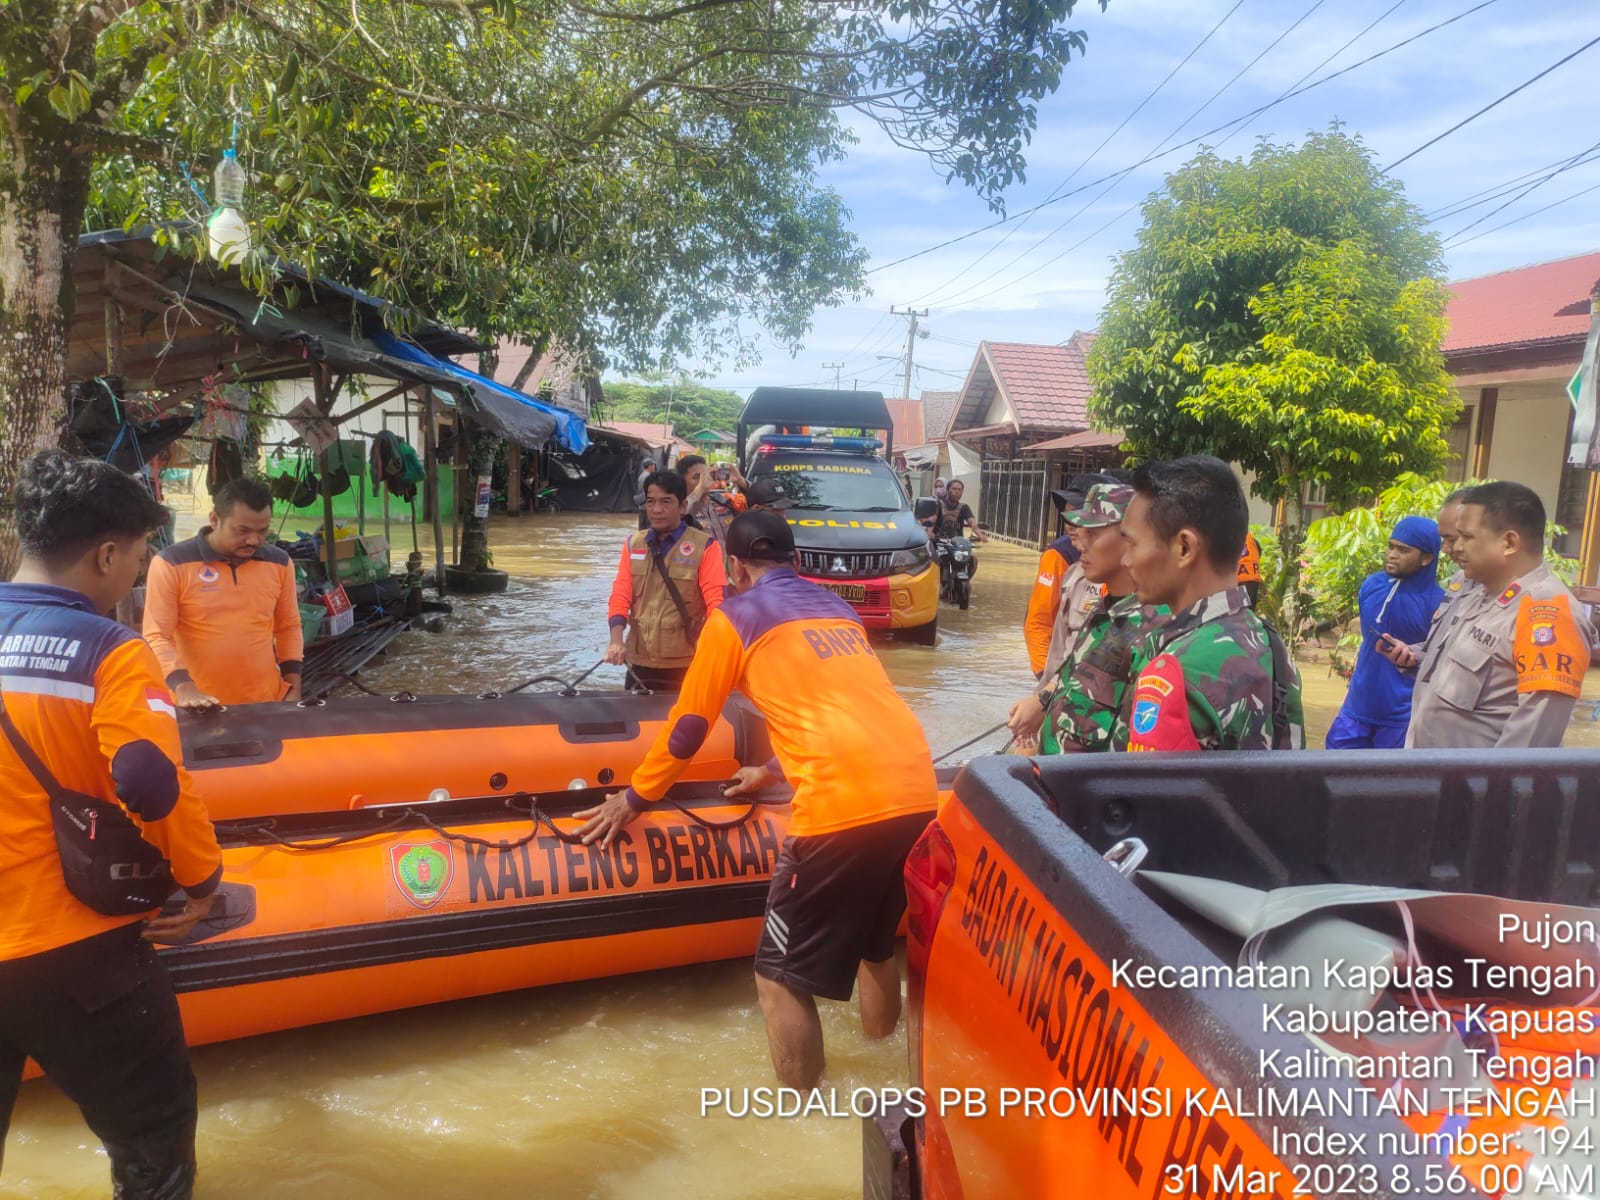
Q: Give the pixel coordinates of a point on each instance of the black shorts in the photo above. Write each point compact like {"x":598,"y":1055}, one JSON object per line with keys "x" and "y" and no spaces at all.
{"x":836,"y":901}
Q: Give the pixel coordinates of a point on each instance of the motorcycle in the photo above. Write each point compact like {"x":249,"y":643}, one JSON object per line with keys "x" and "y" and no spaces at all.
{"x":957,"y":561}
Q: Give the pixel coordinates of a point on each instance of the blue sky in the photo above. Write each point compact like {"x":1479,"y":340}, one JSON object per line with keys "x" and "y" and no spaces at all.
{"x":997,"y":285}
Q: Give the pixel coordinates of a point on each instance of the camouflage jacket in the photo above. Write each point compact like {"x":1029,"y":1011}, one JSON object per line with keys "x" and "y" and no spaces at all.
{"x":1217,"y":651}
{"x":1087,"y":695}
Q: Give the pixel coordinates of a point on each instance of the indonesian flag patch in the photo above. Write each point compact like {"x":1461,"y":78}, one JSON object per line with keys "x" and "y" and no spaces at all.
{"x":160,"y":700}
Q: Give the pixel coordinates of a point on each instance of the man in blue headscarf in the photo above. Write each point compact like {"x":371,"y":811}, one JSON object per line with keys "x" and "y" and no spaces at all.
{"x":1398,"y":602}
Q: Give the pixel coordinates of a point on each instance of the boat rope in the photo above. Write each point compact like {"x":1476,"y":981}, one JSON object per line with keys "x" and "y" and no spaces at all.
{"x":568,"y":687}
{"x":265,"y":829}
{"x":538,"y":815}
{"x":990,"y":732}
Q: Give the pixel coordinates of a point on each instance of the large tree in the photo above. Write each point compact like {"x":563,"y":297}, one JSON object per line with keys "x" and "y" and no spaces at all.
{"x":1285,"y":313}
{"x":636,"y":178}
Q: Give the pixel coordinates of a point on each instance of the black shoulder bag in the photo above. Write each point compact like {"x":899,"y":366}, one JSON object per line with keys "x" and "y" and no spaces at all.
{"x":690,"y":628}
{"x":104,"y":860}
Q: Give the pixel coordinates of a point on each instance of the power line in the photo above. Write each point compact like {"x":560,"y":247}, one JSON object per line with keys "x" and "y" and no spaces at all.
{"x":966,"y":297}
{"x":1525,"y":216}
{"x":1255,"y":112}
{"x":1494,"y":192}
{"x":1103,"y":144}
{"x":1433,"y":141}
{"x":1576,"y":161}
{"x":1370,"y":26}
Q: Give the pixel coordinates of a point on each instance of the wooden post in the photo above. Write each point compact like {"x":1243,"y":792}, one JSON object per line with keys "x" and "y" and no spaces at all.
{"x":385,"y":490}
{"x":513,"y":479}
{"x":323,"y":395}
{"x":127,"y":610}
{"x":1488,"y":402}
{"x":430,"y":451}
{"x":1589,"y":546}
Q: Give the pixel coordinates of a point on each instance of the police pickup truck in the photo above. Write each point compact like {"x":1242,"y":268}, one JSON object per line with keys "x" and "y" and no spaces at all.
{"x":852,"y":519}
{"x":1067,"y":1032}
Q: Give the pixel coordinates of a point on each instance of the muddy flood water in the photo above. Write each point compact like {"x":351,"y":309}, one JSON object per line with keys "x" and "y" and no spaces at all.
{"x":579,"y":1091}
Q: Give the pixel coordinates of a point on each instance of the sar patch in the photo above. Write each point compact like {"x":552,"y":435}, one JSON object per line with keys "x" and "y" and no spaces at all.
{"x":1549,"y":649}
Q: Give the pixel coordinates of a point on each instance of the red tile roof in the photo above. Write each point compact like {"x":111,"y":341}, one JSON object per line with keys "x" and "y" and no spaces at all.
{"x":1528,"y":306}
{"x":1047,"y":385}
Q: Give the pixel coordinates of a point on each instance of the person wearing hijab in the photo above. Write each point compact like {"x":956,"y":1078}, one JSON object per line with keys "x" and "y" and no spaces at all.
{"x":1398,"y":601}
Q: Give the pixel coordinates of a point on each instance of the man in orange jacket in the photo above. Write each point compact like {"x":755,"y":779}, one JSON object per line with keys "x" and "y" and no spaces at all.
{"x":83,"y":994}
{"x":222,"y":611}
{"x":863,"y":788}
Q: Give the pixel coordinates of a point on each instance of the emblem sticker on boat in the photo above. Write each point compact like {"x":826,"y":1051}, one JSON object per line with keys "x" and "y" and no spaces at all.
{"x":422,"y":870}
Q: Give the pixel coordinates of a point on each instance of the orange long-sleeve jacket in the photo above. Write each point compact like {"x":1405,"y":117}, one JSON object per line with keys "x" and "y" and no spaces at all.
{"x":87,"y":697}
{"x":841,"y":735}
{"x":233,"y":629}
{"x":1044,"y":601}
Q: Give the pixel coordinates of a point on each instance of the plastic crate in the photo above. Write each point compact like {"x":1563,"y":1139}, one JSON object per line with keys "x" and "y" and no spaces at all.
{"x":311,"y":616}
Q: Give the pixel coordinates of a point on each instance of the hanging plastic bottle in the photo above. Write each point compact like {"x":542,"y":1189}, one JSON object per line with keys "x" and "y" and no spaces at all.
{"x":227,"y":232}
{"x":230,"y":181}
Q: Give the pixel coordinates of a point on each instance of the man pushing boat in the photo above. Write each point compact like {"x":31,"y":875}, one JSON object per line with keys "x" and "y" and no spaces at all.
{"x":863,"y":788}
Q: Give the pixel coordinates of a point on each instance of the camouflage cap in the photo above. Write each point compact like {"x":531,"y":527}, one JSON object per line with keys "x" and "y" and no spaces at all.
{"x":1104,"y":505}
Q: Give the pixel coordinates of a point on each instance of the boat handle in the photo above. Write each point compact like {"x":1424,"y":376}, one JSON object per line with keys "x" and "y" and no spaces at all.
{"x":1126,"y":856}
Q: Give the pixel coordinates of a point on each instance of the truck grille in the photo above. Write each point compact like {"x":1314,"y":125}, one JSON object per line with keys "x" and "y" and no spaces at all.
{"x":825,"y":564}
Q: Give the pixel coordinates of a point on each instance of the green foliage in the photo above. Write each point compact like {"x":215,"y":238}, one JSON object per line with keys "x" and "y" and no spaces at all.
{"x":1286,"y":314}
{"x":637,"y":181}
{"x":689,"y":407}
{"x":1342,"y":550}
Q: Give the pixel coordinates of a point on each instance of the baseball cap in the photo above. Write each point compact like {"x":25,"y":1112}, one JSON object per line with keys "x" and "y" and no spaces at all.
{"x":1105,"y":505}
{"x":760,"y":535}
{"x":768,"y":492}
{"x":1073,"y":495}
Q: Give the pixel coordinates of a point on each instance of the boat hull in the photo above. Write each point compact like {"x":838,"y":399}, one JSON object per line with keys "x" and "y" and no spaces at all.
{"x":364,"y":752}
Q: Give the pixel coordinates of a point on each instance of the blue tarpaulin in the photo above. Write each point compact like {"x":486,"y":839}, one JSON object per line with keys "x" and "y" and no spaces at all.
{"x":512,"y":414}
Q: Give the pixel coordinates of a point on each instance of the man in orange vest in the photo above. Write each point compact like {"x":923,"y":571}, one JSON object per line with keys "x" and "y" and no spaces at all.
{"x":669,"y":579}
{"x":863,"y":784}
{"x":86,"y":711}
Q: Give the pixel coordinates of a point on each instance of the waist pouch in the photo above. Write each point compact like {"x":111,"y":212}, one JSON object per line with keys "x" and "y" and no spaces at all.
{"x":105,"y":862}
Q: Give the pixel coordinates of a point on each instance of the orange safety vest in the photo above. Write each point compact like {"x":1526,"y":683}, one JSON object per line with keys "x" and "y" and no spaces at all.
{"x":1250,"y":560}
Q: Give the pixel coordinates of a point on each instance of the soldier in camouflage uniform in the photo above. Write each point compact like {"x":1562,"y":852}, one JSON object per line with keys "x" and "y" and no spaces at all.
{"x":1215,"y":677}
{"x":1075,"y":708}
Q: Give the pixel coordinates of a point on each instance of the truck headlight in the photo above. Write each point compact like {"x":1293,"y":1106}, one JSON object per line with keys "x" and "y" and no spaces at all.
{"x":910,"y":560}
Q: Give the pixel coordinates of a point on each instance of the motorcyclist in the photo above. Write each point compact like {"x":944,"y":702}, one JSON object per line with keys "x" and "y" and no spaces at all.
{"x":955,"y":518}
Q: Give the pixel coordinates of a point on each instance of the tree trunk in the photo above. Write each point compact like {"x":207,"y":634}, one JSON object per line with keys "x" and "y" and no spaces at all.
{"x":1290,"y":538}
{"x":44,"y":185}
{"x":483,"y":449}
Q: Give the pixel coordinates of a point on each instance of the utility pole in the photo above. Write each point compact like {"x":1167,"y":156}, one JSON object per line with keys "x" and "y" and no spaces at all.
{"x":911,"y":315}
{"x":835,"y":368}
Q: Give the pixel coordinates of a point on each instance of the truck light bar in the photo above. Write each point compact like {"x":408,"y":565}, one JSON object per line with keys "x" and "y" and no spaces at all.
{"x":824,"y":441}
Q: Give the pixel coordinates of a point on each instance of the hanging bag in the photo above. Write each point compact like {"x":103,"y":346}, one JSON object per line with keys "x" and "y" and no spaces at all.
{"x":691,"y":628}
{"x":105,"y":862}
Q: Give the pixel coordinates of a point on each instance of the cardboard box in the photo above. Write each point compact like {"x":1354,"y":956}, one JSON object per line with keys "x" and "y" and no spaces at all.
{"x":340,"y":615}
{"x":373,"y":545}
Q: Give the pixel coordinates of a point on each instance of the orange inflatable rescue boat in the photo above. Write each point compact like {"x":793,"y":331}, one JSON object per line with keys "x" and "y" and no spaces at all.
{"x":260,"y":760}
{"x":347,"y":890}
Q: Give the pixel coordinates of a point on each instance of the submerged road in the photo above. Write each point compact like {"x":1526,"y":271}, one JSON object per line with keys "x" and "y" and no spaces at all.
{"x":586,"y":1090}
